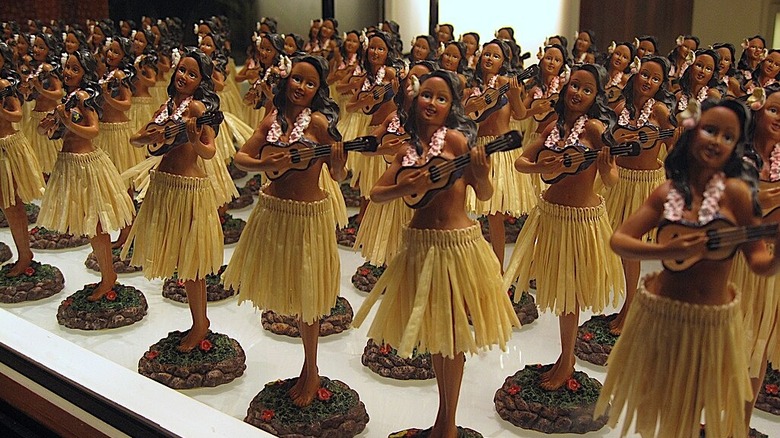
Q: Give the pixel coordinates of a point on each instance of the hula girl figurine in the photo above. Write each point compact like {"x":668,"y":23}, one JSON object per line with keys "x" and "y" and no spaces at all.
{"x":682,"y":353}
{"x":682,"y":56}
{"x":563,"y":241}
{"x":620,"y":65}
{"x":423,"y":49}
{"x":753,"y":52}
{"x":701,"y":80}
{"x":471,"y":40}
{"x":584,"y":50}
{"x":729,"y":75}
{"x":648,"y":46}
{"x":146,"y":74}
{"x":286,"y":259}
{"x":767,"y":72}
{"x":85,"y":195}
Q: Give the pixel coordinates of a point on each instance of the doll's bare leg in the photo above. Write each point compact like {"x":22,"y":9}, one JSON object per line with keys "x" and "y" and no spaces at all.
{"x":564,"y":366}
{"x":304,"y":390}
{"x":631,"y":268}
{"x":756,"y":385}
{"x":448,"y":381}
{"x":101,"y":246}
{"x":196,"y":298}
{"x":17,"y":221}
{"x":124,"y":232}
{"x":363,"y":205}
{"x":497,"y":236}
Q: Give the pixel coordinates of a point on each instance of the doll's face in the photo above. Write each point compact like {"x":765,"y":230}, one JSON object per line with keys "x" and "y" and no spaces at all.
{"x":471,"y":44}
{"x":492,"y":58}
{"x":646,"y":48}
{"x":444,"y":34}
{"x":551,"y":62}
{"x":620,"y":58}
{"x":725,"y":60}
{"x":289,"y":45}
{"x":434,"y":101}
{"x":40,"y":50}
{"x":303,"y":84}
{"x":755,"y":49}
{"x":267,"y":52}
{"x":315,"y":28}
{"x":581,"y":92}
{"x":703,"y":68}
{"x":97,"y":36}
{"x":264,"y":29}
{"x":207,"y":45}
{"x":139,"y":43}
{"x":72,"y":72}
{"x":768,"y":118}
{"x":649,"y":79}
{"x":125,"y":30}
{"x":450,"y":58}
{"x":715,"y":137}
{"x":554,"y":40}
{"x":187,"y":76}
{"x":71,"y":43}
{"x":352,"y":43}
{"x":420,"y":50}
{"x":327,"y":30}
{"x":157,"y":35}
{"x":377,"y":51}
{"x":583,"y":42}
{"x":203,"y":30}
{"x":770,"y":67}
{"x":114,"y":54}
{"x":503,"y":34}
{"x":22,"y":46}
{"x":688,"y":45}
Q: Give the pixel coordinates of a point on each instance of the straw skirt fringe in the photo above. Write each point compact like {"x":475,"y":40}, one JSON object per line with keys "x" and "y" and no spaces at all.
{"x":567,"y":250}
{"x":85,"y":191}
{"x":379,"y":237}
{"x":675,"y":361}
{"x":335,"y":196}
{"x":366,"y":170}
{"x":114,"y":138}
{"x":46,"y":150}
{"x":20,"y":173}
{"x":630,"y":192}
{"x":224,"y":188}
{"x":286,"y":259}
{"x":141,"y":111}
{"x":438,"y":280}
{"x":177,"y":229}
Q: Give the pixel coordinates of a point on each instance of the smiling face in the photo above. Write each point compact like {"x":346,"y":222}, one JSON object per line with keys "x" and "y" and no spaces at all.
{"x":187,"y":77}
{"x":702,"y":69}
{"x":768,"y":119}
{"x":583,"y":42}
{"x":207,"y":45}
{"x":72,"y":72}
{"x":581,"y":92}
{"x":688,"y":45}
{"x":492,"y":58}
{"x":755,"y":49}
{"x":770,"y":67}
{"x":551,"y":62}
{"x":450,"y":58}
{"x":471,"y":44}
{"x":267,"y":52}
{"x":114,"y":54}
{"x":434,"y":101}
{"x":646,"y":48}
{"x":139,"y":43}
{"x":40,"y":50}
{"x":327,"y":30}
{"x":303,"y":84}
{"x":715,"y":138}
{"x":649,"y":79}
{"x":444,"y":34}
{"x":289,"y":45}
{"x":620,"y":58}
{"x":725,"y":60}
{"x":377,"y":51}
{"x":352,"y":43}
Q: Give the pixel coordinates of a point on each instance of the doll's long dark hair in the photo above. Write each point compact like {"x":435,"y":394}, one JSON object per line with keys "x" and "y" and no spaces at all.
{"x":663,"y":95}
{"x":743,"y":61}
{"x":714,"y":82}
{"x":631,"y":51}
{"x":8,"y":72}
{"x":599,"y":110}
{"x":678,"y":161}
{"x":321,"y":102}
{"x":205,"y":91}
{"x":400,"y":97}
{"x":456,"y":119}
{"x":126,"y":63}
{"x":277,"y":42}
{"x":538,"y":79}
{"x":89,"y":81}
{"x":390,"y":60}
{"x":506,"y":65}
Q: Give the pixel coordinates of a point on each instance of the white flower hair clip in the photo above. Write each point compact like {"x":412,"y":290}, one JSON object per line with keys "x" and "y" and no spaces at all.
{"x":764,"y":54}
{"x":540,"y":53}
{"x":64,"y":35}
{"x":636,"y":65}
{"x":200,"y":40}
{"x":576,"y":35}
{"x":195,"y":30}
{"x":636,"y":43}
{"x":138,"y":59}
{"x":175,"y":56}
{"x":566,"y":73}
{"x":364,"y":39}
{"x":159,"y":22}
{"x":311,"y":22}
{"x":745,"y":44}
{"x":680,"y":40}
{"x":612,"y":47}
{"x":45,"y":29}
{"x":132,"y":34}
{"x":64,"y":58}
{"x":32,"y":39}
{"x":108,"y":41}
{"x":16,"y":37}
{"x":757,"y":99}
{"x":405,"y":69}
{"x":285,"y":66}
{"x":689,"y":118}
{"x":690,"y":57}
{"x":414,"y":86}
{"x":91,"y":28}
{"x":344,"y":36}
{"x":121,"y":23}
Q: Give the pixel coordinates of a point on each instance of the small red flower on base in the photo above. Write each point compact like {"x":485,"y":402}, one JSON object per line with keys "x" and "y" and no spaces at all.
{"x":34,"y":230}
{"x":771,"y":389}
{"x":538,"y":366}
{"x":385,"y":349}
{"x":513,"y":389}
{"x":587,"y":336}
{"x":222,"y":220}
{"x":267,"y":415}
{"x":67,"y":302}
{"x":29,"y":271}
{"x":350,"y":230}
{"x":111,"y":295}
{"x":205,"y":345}
{"x":511,"y":220}
{"x":151,"y":354}
{"x":573,"y":384}
{"x":323,"y":394}
{"x":364,"y":271}
{"x":179,"y":283}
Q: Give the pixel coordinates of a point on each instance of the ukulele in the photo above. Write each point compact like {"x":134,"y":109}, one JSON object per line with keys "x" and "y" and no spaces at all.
{"x":544,"y":108}
{"x":479,"y":108}
{"x":614,"y":94}
{"x":172,"y":128}
{"x":647,"y":136}
{"x":55,"y":129}
{"x":770,"y":214}
{"x":723,"y":239}
{"x":370,"y":100}
{"x":442,"y":173}
{"x":575,"y":160}
{"x":300,"y":154}
{"x":389,"y":145}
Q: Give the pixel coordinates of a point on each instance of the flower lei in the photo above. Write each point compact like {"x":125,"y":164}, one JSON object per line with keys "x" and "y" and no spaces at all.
{"x":616,"y":80}
{"x":380,"y":75}
{"x":747,"y":74}
{"x":395,"y":125}
{"x":554,"y":84}
{"x":774,"y":163}
{"x":434,"y":148}
{"x":673,"y":207}
{"x":624,"y":119}
{"x":107,"y":77}
{"x":351,"y":61}
{"x":163,"y":116}
{"x":683,"y":103}
{"x":574,"y":136}
{"x":301,"y":123}
{"x":35,"y":74}
{"x":477,"y":91}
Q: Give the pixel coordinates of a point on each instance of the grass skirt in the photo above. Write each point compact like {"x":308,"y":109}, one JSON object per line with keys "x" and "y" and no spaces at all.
{"x":513,"y":192}
{"x":85,"y":190}
{"x":675,"y":360}
{"x":630,"y":192}
{"x":230,"y":101}
{"x":137,"y":176}
{"x":353,"y":124}
{"x":380,"y":232}
{"x":255,"y":117}
{"x":286,"y":260}
{"x":566,"y":249}
{"x":177,"y":229}
{"x":46,"y":150}
{"x":366,"y":169}
{"x":20,"y":173}
{"x":216,"y":169}
{"x":159,"y":92}
{"x":438,"y":280}
{"x":141,"y":112}
{"x":760,"y":314}
{"x":114,"y":138}
{"x":335,"y":196}
{"x":238,"y":132}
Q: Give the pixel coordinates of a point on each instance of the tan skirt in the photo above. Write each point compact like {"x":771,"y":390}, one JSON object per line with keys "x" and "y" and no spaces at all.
{"x":566,"y":249}
{"x":431,"y":288}
{"x":286,"y":259}
{"x":760,"y":314}
{"x":20,"y":173}
{"x":256,"y":116}
{"x":114,"y":138}
{"x":513,"y":192}
{"x":137,"y":176}
{"x":675,"y":361}
{"x":159,"y":92}
{"x":366,"y":170}
{"x":46,"y":150}
{"x":630,"y":192}
{"x":177,"y":229}
{"x":335,"y":196}
{"x":379,"y":237}
{"x":84,"y":192}
{"x":237,"y":131}
{"x":224,"y":188}
{"x":141,"y":112}
{"x":230,"y":101}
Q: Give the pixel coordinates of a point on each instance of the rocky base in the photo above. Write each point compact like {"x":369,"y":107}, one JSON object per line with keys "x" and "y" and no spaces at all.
{"x":463,"y":432}
{"x":254,"y":185}
{"x":173,"y":288}
{"x":351,"y":196}
{"x":346,"y":236}
{"x":594,"y":341}
{"x":37,"y":282}
{"x":235,"y":172}
{"x":41,"y":238}
{"x":512,"y":227}
{"x":335,"y":412}
{"x":366,"y":276}
{"x":384,"y":360}
{"x":5,"y":252}
{"x":525,"y":308}
{"x":769,"y":395}
{"x":569,"y":409}
{"x":231,"y":228}
{"x":31,"y":210}
{"x":339,"y":319}
{"x":752,"y":433}
{"x":121,"y":266}
{"x":244,"y":199}
{"x":216,"y":361}
{"x":123,"y":305}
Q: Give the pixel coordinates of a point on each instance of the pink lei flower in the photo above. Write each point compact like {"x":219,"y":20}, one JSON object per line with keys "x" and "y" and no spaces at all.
{"x":574,"y":136}
{"x":434,"y":148}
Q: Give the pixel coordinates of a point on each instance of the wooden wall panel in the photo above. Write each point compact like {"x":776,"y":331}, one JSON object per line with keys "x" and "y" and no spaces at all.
{"x":72,"y":11}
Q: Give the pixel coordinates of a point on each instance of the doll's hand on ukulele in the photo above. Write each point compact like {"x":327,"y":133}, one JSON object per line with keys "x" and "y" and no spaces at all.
{"x":605,"y":160}
{"x":415,"y":181}
{"x":480,"y":162}
{"x":193,"y":131}
{"x":338,"y":158}
{"x":688,"y":245}
{"x":549,"y":164}
{"x":275,"y":160}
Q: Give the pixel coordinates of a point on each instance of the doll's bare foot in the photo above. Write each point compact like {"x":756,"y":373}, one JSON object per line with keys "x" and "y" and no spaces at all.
{"x":192,"y":339}
{"x":122,"y":238}
{"x":296,"y":389}
{"x":20,"y":266}
{"x":103,"y":288}
{"x":557,"y":375}
{"x":616,"y":325}
{"x":308,"y":390}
